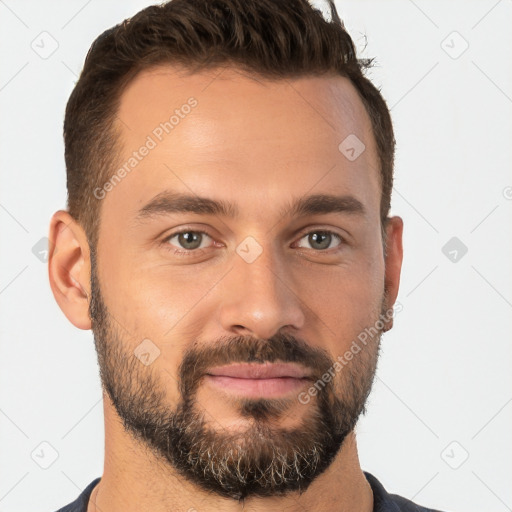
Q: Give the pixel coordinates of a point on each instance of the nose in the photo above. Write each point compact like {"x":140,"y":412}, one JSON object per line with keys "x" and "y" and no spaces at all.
{"x":259,"y":299}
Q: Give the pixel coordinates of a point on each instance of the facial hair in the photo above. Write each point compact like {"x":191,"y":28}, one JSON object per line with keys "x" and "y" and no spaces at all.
{"x":262,"y":460}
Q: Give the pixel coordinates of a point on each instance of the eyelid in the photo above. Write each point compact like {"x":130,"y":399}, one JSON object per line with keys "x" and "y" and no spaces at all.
{"x":319,"y":229}
{"x":185,"y":230}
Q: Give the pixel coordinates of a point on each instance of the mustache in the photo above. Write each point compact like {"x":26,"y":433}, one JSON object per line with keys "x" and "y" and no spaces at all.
{"x":246,"y":349}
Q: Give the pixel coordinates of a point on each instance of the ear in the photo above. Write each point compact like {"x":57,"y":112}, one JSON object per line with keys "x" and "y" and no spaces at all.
{"x":393,"y":262}
{"x":69,"y":268}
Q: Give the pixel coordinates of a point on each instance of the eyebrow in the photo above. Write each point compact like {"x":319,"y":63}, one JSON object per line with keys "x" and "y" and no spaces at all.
{"x":168,"y":202}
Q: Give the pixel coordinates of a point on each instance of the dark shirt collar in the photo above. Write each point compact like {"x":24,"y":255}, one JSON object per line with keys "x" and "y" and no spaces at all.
{"x":382,"y":501}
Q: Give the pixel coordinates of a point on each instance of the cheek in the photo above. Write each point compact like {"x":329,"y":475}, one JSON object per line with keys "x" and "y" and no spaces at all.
{"x":352,"y":283}
{"x":159,"y":301}
{"x":344,"y":301}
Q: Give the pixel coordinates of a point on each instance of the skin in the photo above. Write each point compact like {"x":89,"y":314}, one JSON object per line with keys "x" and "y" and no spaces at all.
{"x":258,"y":144}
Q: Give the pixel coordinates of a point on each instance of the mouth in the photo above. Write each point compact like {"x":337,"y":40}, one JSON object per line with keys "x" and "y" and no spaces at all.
{"x":268,"y":380}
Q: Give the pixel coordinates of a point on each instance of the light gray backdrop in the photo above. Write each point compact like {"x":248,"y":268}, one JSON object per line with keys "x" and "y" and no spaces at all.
{"x":440,"y":415}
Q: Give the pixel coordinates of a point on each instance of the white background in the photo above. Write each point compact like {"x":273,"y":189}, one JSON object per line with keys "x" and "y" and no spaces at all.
{"x":444,"y":374}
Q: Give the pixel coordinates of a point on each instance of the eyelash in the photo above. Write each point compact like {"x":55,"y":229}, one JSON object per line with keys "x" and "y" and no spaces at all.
{"x":195,"y":252}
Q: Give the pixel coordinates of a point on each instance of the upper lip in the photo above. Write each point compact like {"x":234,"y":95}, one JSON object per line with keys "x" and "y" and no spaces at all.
{"x":260,"y":371}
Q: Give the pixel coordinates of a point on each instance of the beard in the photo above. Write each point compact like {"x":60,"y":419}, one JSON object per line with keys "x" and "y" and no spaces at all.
{"x":261,"y":460}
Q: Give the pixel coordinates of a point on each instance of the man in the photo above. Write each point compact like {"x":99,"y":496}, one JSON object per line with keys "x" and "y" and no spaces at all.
{"x":227,"y":239}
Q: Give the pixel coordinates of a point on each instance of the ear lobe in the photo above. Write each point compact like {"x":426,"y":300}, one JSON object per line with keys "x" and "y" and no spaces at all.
{"x":393,"y":261}
{"x":69,"y":268}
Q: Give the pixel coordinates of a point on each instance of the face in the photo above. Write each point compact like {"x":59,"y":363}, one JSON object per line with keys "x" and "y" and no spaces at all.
{"x":239,"y":258}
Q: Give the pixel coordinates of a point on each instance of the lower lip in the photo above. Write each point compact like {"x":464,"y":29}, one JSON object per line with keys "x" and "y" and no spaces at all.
{"x":261,"y":388}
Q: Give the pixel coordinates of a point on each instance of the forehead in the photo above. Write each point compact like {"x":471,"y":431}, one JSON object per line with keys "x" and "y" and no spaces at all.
{"x":221,"y":133}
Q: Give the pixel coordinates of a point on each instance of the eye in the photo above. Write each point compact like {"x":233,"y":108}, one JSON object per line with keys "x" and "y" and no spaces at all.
{"x":188,"y":240}
{"x":321,"y":240}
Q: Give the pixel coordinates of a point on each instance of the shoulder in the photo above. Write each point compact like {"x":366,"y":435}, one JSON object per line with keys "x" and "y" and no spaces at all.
{"x":80,"y":504}
{"x":385,"y":502}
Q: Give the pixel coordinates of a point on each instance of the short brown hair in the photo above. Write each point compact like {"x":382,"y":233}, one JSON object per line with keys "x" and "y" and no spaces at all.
{"x":272,"y":39}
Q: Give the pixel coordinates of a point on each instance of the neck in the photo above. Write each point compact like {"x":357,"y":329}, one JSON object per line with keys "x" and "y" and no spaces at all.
{"x":134,"y":479}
